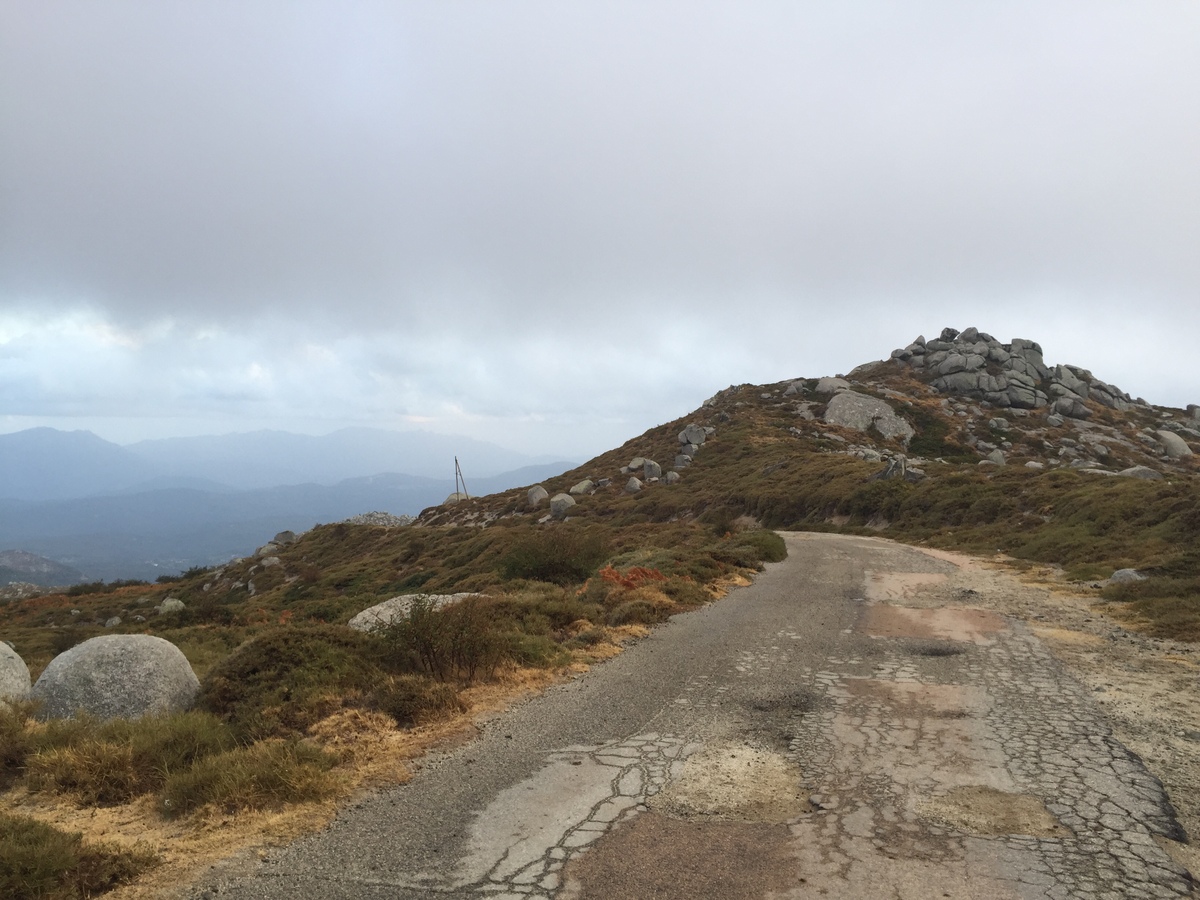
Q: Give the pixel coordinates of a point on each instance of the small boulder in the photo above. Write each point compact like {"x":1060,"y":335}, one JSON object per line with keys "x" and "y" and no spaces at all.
{"x":1173,"y":445}
{"x":113,"y":622}
{"x":559,"y":504}
{"x":633,"y":485}
{"x":693,"y":434}
{"x":584,"y":487}
{"x":14,"y":675}
{"x":170,"y":605}
{"x":1126,"y":576}
{"x":454,"y":499}
{"x":536,"y":495}
{"x":682,"y":461}
{"x":118,"y":676}
{"x":636,"y":463}
{"x":998,"y":458}
{"x":651,"y":469}
{"x":284,"y":538}
{"x":1054,"y":420}
{"x":381,"y":615}
{"x":270,"y":562}
{"x":1142,"y":472}
{"x":673,"y":477}
{"x":829,"y":385}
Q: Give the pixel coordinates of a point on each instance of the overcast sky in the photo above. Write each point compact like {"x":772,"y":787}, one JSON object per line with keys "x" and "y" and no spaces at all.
{"x":554,"y":225}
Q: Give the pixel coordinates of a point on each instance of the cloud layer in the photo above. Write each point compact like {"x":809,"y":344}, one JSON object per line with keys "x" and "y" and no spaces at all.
{"x":500,"y":215}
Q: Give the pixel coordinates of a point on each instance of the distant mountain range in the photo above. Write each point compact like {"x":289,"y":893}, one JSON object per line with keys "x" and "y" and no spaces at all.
{"x":47,"y":464}
{"x":160,"y":507}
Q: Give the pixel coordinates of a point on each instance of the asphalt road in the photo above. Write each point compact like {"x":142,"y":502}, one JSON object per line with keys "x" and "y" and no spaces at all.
{"x":798,"y":739}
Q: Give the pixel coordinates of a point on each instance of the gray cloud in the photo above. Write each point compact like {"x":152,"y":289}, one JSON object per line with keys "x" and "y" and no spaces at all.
{"x":507,"y":208}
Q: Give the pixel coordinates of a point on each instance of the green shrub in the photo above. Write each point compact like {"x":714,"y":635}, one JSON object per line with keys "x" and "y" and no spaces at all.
{"x":416,"y":699}
{"x":460,"y":641}
{"x":286,"y":679}
{"x":769,"y":546}
{"x":560,"y":554}
{"x":263,"y":775}
{"x":39,"y":862}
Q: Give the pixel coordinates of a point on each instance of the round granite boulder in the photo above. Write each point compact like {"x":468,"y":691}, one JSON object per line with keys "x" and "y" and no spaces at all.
{"x":119,"y":676}
{"x":14,"y":675}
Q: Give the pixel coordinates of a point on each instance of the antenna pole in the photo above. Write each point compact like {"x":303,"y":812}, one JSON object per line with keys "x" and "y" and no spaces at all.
{"x":458,"y":479}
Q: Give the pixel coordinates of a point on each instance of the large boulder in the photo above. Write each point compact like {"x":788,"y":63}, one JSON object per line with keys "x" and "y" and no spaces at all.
{"x":850,"y":409}
{"x":14,"y":675}
{"x":651,"y":470}
{"x":381,"y":615}
{"x":693,"y":434}
{"x":1144,"y":472}
{"x":829,"y":385}
{"x":118,"y":676}
{"x":1173,"y":445}
{"x":560,"y":503}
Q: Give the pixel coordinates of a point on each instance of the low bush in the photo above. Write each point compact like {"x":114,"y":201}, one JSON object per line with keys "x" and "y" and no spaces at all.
{"x":114,"y":761}
{"x":283,"y":681}
{"x":561,"y":554}
{"x":263,"y":775}
{"x":416,"y":699}
{"x":460,"y":641}
{"x":40,"y":862}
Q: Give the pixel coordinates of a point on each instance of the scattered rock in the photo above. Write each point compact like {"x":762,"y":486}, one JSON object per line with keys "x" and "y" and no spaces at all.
{"x":113,"y":622}
{"x":381,"y":615}
{"x":559,"y":504}
{"x":170,"y":605}
{"x":118,"y":676}
{"x":536,"y":495}
{"x":633,"y":485}
{"x":1126,"y":576}
{"x":673,"y":477}
{"x":998,"y":458}
{"x":14,"y":675}
{"x":380,"y":518}
{"x":584,"y":487}
{"x":270,"y":562}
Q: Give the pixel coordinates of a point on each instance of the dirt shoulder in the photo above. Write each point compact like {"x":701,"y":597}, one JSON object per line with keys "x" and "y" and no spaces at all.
{"x":1146,"y":686}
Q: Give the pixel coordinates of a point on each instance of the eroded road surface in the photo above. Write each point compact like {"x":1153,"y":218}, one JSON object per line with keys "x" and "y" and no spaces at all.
{"x":818,"y":734}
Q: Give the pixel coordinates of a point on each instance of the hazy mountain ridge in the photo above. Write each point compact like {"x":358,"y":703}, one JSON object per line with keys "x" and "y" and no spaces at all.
{"x":42,"y":464}
{"x":138,"y":512}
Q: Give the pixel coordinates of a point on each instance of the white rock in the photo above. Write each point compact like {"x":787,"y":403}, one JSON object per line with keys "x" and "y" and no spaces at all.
{"x":118,"y":676}
{"x":14,"y":674}
{"x":384,"y":614}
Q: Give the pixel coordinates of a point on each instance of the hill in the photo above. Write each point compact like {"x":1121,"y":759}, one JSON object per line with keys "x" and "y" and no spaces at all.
{"x":959,"y":442}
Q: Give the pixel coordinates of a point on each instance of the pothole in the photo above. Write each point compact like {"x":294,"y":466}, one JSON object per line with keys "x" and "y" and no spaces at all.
{"x":735,"y":783}
{"x":934,"y":648}
{"x":977,"y":809}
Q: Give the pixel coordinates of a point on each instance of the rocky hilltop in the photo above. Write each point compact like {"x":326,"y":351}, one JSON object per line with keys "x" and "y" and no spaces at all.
{"x":963,"y":400}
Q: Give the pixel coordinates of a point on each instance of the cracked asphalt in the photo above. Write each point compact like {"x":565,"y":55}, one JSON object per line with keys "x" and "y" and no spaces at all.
{"x":807,"y":736}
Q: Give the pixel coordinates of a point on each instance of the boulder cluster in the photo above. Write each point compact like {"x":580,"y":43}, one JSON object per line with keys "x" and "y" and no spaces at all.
{"x":974,"y":364}
{"x":641,"y":472}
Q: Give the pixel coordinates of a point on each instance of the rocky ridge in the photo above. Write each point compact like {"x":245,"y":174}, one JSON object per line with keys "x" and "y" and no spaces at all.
{"x":961,"y":399}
